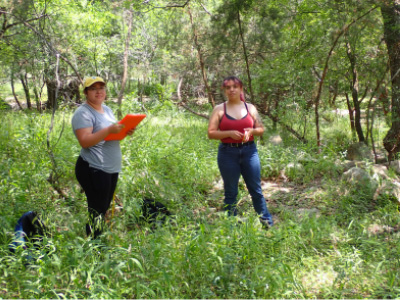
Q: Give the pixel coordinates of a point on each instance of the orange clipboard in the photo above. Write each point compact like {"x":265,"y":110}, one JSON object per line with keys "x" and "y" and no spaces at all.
{"x":130,"y":121}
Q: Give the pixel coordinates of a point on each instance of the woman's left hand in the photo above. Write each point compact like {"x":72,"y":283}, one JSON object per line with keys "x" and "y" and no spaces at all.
{"x":248,"y":132}
{"x":130,"y":132}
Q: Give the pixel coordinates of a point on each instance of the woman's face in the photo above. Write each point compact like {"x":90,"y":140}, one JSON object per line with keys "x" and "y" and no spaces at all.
{"x":96,"y":93}
{"x":232,"y":89}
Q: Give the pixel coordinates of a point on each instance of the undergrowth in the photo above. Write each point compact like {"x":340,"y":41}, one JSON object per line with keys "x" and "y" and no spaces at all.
{"x":320,"y":247}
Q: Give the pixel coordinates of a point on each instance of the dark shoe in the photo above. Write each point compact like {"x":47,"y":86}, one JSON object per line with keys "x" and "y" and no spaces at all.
{"x":266,"y":223}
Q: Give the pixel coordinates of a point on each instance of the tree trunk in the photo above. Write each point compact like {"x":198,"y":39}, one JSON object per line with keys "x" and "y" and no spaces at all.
{"x":351,"y":116}
{"x":13,"y":90}
{"x":370,"y":105}
{"x":37,"y":99}
{"x":245,"y":56}
{"x":333,"y":90}
{"x":391,"y":27}
{"x":201,"y":60}
{"x":126,"y":56}
{"x":354,"y":92}
{"x":24,"y":81}
{"x":51,"y":94}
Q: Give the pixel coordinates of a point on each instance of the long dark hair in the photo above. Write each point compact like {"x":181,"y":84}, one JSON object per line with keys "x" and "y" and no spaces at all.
{"x":237,"y":81}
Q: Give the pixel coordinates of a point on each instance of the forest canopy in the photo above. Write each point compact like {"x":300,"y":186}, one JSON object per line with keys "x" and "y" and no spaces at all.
{"x":298,"y":57}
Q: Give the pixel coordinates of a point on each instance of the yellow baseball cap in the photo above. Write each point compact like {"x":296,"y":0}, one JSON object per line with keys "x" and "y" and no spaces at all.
{"x":92,"y":80}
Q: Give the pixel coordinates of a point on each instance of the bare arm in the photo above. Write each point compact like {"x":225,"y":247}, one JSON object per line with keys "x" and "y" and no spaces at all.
{"x":214,"y":132}
{"x":87,"y":138}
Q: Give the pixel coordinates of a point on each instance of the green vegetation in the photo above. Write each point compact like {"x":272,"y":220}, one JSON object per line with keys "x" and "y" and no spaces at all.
{"x":323,"y":245}
{"x":321,"y":74}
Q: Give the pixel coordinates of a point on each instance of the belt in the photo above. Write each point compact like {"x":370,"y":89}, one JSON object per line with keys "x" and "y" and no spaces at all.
{"x":239,"y":145}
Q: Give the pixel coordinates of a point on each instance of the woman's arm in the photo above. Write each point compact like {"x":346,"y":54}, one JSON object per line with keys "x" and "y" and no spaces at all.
{"x":214,"y":132}
{"x":87,"y":138}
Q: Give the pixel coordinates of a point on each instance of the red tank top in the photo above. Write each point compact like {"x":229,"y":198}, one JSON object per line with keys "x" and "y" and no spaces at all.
{"x":229,"y":123}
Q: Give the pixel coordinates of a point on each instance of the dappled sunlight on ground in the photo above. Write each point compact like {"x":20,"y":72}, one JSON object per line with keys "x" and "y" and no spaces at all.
{"x":319,"y":278}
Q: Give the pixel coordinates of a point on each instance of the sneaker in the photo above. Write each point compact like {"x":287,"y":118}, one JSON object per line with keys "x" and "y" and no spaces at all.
{"x":266,"y":223}
{"x":242,"y":220}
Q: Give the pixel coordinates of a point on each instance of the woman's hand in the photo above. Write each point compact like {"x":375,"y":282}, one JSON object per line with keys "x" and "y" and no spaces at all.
{"x":115,"y":128}
{"x":236,"y":135}
{"x":130,"y":132}
{"x":248,"y":133}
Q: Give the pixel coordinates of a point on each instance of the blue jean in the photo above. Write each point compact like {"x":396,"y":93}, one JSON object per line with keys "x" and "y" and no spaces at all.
{"x":232,"y":163}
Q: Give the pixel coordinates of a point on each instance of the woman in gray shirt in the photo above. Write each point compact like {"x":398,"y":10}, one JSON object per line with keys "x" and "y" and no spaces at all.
{"x":99,"y":162}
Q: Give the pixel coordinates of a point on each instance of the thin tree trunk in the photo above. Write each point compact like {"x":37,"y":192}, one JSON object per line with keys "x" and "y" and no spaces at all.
{"x":24,"y":81}
{"x":354,"y":92}
{"x":245,"y":56}
{"x":37,"y":99}
{"x":372,"y":136}
{"x":378,"y":85}
{"x":201,"y":60}
{"x":126,"y":56}
{"x":36,"y":94}
{"x":351,"y":116}
{"x":317,"y":98}
{"x":13,"y":90}
{"x":276,"y":106}
{"x":51,"y":93}
{"x":54,"y":175}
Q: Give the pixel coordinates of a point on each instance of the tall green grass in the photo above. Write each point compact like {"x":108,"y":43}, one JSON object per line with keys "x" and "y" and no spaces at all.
{"x":198,"y":253}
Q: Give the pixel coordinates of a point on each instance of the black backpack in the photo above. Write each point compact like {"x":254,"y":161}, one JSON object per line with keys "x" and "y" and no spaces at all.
{"x":29,"y":228}
{"x":153,"y":211}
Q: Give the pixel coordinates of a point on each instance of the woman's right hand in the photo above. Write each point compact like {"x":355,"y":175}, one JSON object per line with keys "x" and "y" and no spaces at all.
{"x":115,"y":128}
{"x":236,"y":135}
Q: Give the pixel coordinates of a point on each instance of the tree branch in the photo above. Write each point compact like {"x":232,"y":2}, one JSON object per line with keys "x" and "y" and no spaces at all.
{"x":5,"y":27}
{"x":22,"y":22}
{"x":181,"y":103}
{"x":287,"y":127}
{"x":52,"y":49}
{"x":205,"y":9}
{"x":168,"y":6}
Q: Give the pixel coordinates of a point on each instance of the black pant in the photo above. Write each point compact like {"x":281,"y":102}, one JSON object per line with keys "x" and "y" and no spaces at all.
{"x":99,"y":188}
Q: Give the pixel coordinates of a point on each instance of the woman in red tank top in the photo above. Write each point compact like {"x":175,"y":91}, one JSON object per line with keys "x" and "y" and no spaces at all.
{"x":235,"y":123}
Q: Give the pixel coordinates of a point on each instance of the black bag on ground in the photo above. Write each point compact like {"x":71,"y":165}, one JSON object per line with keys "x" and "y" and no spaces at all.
{"x":153,"y":211}
{"x":30,"y":229}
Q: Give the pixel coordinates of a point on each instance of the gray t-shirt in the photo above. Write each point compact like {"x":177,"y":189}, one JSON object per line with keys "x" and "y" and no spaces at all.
{"x":106,"y":155}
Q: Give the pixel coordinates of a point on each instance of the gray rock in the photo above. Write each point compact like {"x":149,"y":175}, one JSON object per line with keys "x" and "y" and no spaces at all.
{"x":345,"y":165}
{"x":395,"y":166}
{"x":389,"y":189}
{"x":275,"y":140}
{"x":302,"y":212}
{"x":380,"y":172}
{"x":293,"y":170}
{"x":359,"y":151}
{"x":360,"y":178}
